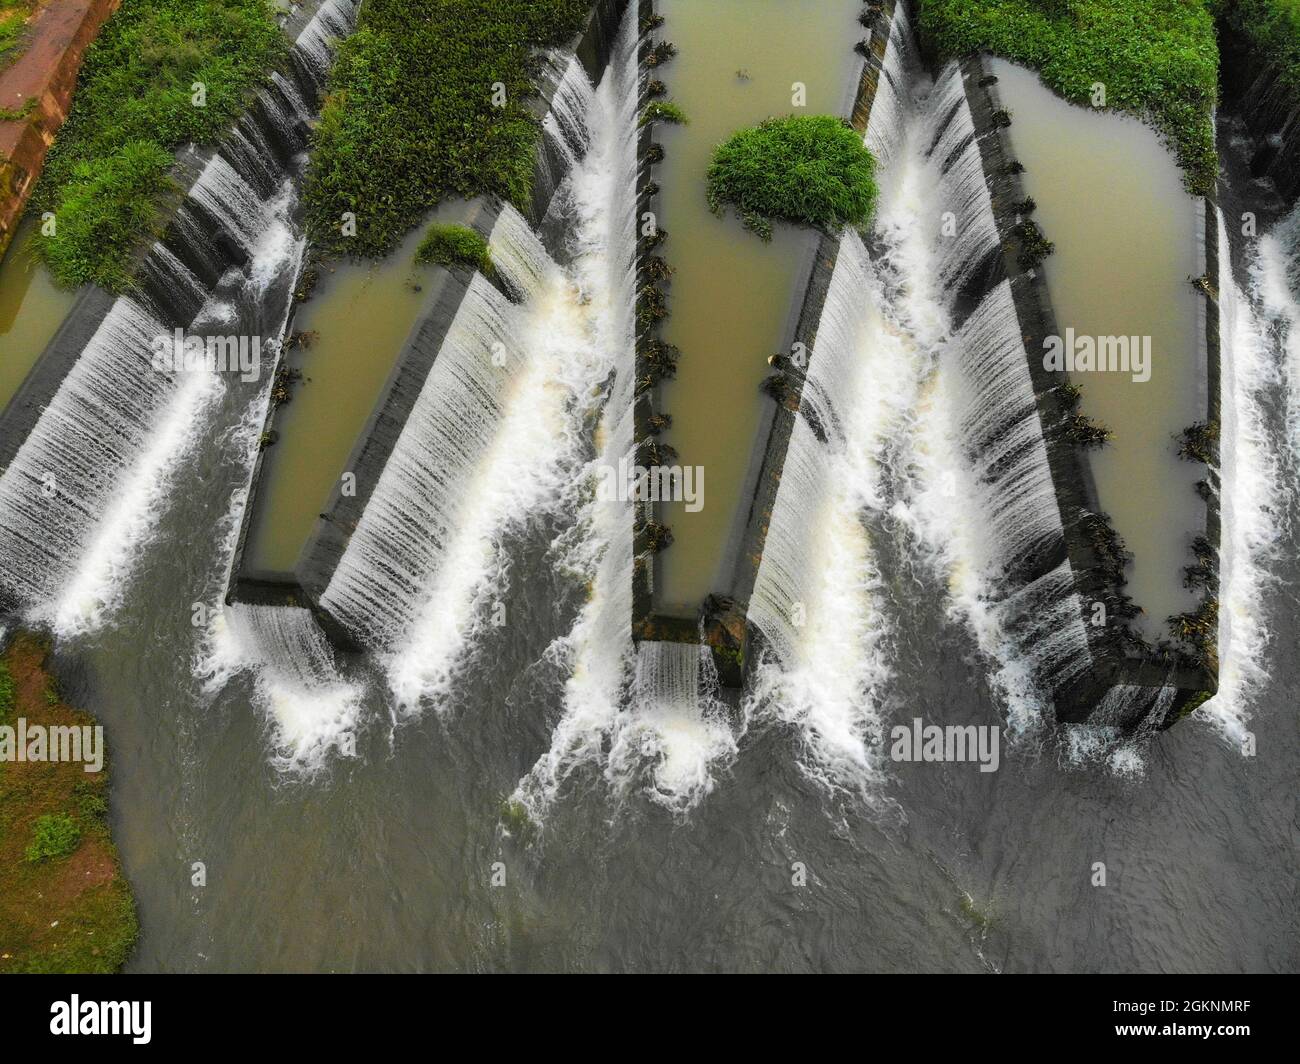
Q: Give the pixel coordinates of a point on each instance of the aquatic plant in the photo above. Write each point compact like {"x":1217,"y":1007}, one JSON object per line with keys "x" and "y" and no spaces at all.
{"x":1204,"y":571}
{"x":657,"y":423}
{"x":1158,"y":59}
{"x":53,"y":835}
{"x":657,"y":54}
{"x":807,"y":169}
{"x":1197,"y":632}
{"x":1034,"y":246}
{"x":1082,"y":431}
{"x":662,"y":111}
{"x":106,"y":209}
{"x":657,"y":269}
{"x":105,"y":175}
{"x":1199,"y":442}
{"x":455,"y":245}
{"x":657,"y":537}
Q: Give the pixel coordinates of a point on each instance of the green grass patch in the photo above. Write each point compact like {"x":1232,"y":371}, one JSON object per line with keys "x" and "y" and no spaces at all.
{"x":1158,"y":59}
{"x":53,"y":835}
{"x":64,"y":904}
{"x":411,"y":116}
{"x":135,"y":103}
{"x":455,"y":245}
{"x":106,"y":209}
{"x":808,"y":169}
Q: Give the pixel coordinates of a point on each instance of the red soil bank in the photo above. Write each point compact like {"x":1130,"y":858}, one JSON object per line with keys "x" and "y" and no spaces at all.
{"x":46,"y":72}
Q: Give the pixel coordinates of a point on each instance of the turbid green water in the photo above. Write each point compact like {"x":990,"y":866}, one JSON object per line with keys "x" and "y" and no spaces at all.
{"x":1126,"y":232}
{"x":362,"y":314}
{"x":31,"y":311}
{"x":738,"y":62}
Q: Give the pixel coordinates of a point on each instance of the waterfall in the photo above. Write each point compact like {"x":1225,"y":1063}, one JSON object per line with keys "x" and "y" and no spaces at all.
{"x":1259,"y":332}
{"x":674,"y":727}
{"x":826,"y":663}
{"x":518,"y":254}
{"x":84,"y":488}
{"x":96,"y":427}
{"x":964,"y":195}
{"x":313,"y":710}
{"x":566,"y":131}
{"x":312,"y":51}
{"x":885,"y":122}
{"x":927,"y":431}
{"x":566,"y":125}
{"x":597,"y":654}
{"x":426,"y":492}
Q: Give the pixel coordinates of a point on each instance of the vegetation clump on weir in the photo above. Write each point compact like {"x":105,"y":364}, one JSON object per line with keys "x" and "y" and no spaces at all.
{"x":412,"y":116}
{"x":806,"y":169}
{"x":106,"y":178}
{"x":455,"y":245}
{"x":65,"y":906}
{"x":1153,"y":58}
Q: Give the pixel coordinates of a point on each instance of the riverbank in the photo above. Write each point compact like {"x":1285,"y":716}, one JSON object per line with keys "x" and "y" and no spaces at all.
{"x":65,"y":905}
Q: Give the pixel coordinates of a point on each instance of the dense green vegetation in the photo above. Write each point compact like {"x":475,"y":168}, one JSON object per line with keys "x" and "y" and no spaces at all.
{"x":808,"y":169}
{"x":135,"y":103}
{"x":452,"y":245}
{"x":413,"y":117}
{"x":64,"y":903}
{"x":106,"y":208}
{"x":1156,"y":58}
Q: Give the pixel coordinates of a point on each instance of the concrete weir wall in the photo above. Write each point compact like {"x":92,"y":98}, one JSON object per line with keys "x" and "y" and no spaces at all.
{"x":722,"y":620}
{"x":340,"y":514}
{"x":41,"y":82}
{"x":1072,"y":478}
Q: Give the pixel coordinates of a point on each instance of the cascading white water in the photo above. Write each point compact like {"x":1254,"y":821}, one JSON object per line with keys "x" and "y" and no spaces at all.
{"x":567,"y":122}
{"x":1259,"y":333}
{"x":495,"y":439}
{"x":312,"y":710}
{"x":674,"y":726}
{"x":605,"y":725}
{"x":518,"y":254}
{"x":826,"y":666}
{"x":885,"y":122}
{"x":425,"y":494}
{"x":927,"y":429}
{"x":96,"y":427}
